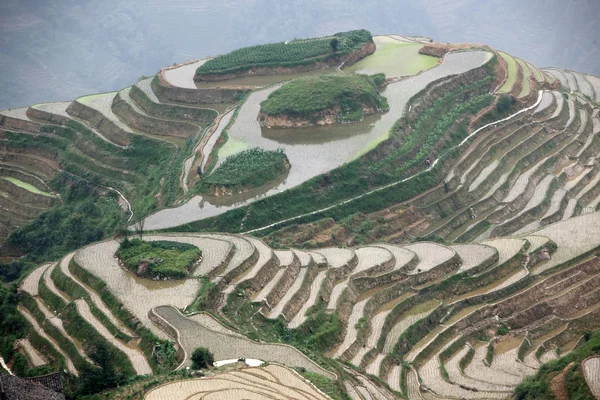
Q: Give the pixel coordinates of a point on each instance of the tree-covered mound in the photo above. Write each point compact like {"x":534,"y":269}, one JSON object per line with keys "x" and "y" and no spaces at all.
{"x":158,"y":259}
{"x":286,"y":54}
{"x":323,"y":99}
{"x":249,"y":168}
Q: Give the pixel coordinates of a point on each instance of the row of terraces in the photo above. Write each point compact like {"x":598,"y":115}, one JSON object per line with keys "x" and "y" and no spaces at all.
{"x":462,"y":321}
{"x":520,"y":76}
{"x":536,"y":168}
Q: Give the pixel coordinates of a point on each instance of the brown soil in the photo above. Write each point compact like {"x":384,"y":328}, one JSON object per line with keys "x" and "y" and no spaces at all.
{"x":557,"y":384}
{"x":326,"y":117}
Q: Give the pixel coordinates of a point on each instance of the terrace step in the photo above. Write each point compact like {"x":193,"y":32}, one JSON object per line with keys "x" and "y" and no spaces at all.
{"x":38,"y":329}
{"x":64,"y":267}
{"x":35,"y":357}
{"x":475,"y":256}
{"x":432,"y":378}
{"x":315,"y":288}
{"x":431,"y":255}
{"x":135,"y":355}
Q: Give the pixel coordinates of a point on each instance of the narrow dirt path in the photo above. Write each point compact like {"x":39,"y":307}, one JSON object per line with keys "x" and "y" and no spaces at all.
{"x":379,"y":189}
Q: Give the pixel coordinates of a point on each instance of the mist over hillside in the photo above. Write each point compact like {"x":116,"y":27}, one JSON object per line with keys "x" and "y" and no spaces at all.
{"x":59,"y":50}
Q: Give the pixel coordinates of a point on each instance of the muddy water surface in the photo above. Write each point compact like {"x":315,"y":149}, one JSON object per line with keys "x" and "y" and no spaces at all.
{"x":314,"y":151}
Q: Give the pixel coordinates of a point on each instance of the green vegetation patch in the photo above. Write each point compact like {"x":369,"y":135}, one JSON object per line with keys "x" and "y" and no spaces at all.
{"x":286,"y":54}
{"x":307,"y":97}
{"x":512,"y":73}
{"x":250,"y":168}
{"x":394,"y":58}
{"x":27,"y":186}
{"x":538,"y":386}
{"x":159,"y":259}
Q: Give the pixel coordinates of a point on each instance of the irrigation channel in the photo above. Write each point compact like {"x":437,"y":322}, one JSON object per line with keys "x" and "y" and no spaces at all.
{"x":318,"y":149}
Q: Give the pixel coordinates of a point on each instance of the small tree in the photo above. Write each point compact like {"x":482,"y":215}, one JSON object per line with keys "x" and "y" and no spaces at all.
{"x":334,"y":44}
{"x":504,"y":104}
{"x":202,"y":358}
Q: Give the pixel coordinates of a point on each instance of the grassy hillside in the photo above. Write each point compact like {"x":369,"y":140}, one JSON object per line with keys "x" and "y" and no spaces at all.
{"x":286,"y":54}
{"x":305,"y":98}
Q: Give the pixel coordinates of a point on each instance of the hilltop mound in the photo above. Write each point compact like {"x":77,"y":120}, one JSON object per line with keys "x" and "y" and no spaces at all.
{"x":287,"y":57}
{"x":322,"y":100}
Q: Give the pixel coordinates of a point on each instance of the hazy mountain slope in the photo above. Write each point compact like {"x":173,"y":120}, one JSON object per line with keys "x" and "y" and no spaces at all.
{"x":60,"y":50}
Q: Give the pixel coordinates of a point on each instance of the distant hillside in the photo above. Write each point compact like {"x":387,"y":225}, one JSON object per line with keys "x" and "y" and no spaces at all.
{"x":57,"y":50}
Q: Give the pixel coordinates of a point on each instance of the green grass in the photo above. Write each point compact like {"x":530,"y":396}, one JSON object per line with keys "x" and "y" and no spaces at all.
{"x":334,"y":389}
{"x":232,"y":146}
{"x":512,"y":73}
{"x":27,"y":186}
{"x":282,"y":54}
{"x":394,"y":58}
{"x":536,"y":387}
{"x":307,"y":96}
{"x":165,"y":259}
{"x":250,"y":168}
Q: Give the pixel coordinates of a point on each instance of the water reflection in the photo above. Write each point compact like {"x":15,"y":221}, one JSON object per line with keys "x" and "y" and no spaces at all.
{"x":314,"y":151}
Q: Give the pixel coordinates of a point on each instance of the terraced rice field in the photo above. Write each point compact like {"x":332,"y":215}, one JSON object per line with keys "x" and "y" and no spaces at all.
{"x":183,"y":76}
{"x":394,"y":57}
{"x":137,"y":358}
{"x":591,"y":371}
{"x":323,"y":148}
{"x":525,"y":84}
{"x":193,"y":335}
{"x":511,"y":73}
{"x":270,"y":382}
{"x":103,"y":104}
{"x":35,"y":357}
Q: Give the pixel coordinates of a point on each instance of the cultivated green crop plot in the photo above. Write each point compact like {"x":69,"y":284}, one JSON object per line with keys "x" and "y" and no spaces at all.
{"x":286,"y":54}
{"x":27,"y":186}
{"x":394,"y":58}
{"x":512,"y":73}
{"x":304,"y":97}
{"x":525,"y":85}
{"x":252,"y":168}
{"x":158,"y":258}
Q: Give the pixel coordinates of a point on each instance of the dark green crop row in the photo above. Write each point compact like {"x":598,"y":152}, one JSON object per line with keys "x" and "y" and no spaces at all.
{"x":286,"y":54}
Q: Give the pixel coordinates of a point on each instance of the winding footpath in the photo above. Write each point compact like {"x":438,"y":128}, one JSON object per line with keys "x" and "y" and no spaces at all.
{"x":379,"y":189}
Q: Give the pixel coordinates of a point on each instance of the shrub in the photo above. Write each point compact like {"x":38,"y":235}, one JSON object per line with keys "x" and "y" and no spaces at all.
{"x":202,"y":358}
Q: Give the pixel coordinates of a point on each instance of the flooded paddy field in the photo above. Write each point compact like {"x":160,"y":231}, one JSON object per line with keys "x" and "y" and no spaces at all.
{"x":314,"y":151}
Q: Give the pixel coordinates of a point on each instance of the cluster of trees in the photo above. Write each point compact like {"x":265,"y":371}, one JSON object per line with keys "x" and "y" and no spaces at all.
{"x":292,"y":53}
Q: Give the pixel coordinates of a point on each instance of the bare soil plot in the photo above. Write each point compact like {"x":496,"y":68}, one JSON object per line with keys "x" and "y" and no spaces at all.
{"x":591,"y":371}
{"x":430,"y":255}
{"x":31,"y":283}
{"x":315,"y":287}
{"x":135,"y":355}
{"x":224,"y":347}
{"x":575,"y":236}
{"x":270,"y":382}
{"x":70,"y":366}
{"x":473,"y":255}
{"x":34,"y":356}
